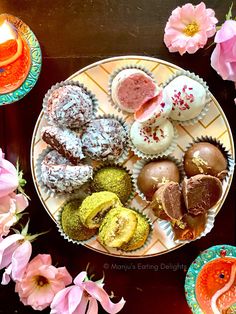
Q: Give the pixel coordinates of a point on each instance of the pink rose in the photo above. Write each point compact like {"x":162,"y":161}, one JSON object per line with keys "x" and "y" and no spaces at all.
{"x":82,"y":295}
{"x":41,"y":282}
{"x":15,"y":253}
{"x":8,"y":176}
{"x":10,"y":206}
{"x":189,"y":27}
{"x":223,"y":58}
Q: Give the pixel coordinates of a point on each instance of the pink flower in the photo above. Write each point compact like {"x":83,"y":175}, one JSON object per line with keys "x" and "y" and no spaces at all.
{"x":223,"y":58}
{"x":74,"y":299}
{"x":189,"y":27}
{"x":10,"y":206}
{"x":8,"y":176}
{"x":15,"y":252}
{"x":41,"y":282}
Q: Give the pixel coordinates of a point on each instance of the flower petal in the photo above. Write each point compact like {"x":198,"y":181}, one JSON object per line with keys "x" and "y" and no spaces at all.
{"x":20,"y":259}
{"x":21,"y":202}
{"x":100,"y":294}
{"x":7,"y":247}
{"x":93,"y":306}
{"x":80,"y":278}
{"x":227,"y":31}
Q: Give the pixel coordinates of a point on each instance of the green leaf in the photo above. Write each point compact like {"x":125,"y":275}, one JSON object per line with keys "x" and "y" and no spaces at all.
{"x":229,"y":14}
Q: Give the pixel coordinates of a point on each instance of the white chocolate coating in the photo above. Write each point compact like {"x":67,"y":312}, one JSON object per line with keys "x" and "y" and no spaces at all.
{"x":152,"y":139}
{"x":187,"y":96}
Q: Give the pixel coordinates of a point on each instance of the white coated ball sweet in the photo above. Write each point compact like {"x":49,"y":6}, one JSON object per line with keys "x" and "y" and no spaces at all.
{"x":187,"y":96}
{"x":152,"y":139}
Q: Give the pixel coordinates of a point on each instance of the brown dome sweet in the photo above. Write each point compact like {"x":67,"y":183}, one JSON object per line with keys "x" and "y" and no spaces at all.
{"x":205,"y":158}
{"x":156,"y":173}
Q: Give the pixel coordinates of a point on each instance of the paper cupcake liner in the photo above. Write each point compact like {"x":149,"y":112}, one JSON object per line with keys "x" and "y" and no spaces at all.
{"x":148,"y":240}
{"x":125,"y":153}
{"x":208,"y":97}
{"x":167,"y":228}
{"x":120,"y":166}
{"x":65,"y":83}
{"x":114,"y":74}
{"x":49,"y":192}
{"x":60,"y":228}
{"x":221,"y":147}
{"x":166,"y":152}
{"x":138,"y":166}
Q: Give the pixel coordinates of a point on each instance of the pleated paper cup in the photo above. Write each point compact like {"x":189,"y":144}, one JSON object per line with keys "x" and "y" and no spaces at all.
{"x":60,"y":227}
{"x":68,"y":83}
{"x":138,"y":166}
{"x":207,"y":100}
{"x":167,"y":228}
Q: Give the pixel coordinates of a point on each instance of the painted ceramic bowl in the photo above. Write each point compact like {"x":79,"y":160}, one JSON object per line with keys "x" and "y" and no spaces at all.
{"x":210,"y":284}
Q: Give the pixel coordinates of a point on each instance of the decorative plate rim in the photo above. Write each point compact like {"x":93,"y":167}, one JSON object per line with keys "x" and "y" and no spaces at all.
{"x":203,"y":258}
{"x":36,"y":63}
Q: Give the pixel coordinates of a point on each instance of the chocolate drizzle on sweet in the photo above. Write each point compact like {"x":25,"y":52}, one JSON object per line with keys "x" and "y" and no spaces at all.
{"x":65,"y":141}
{"x":104,"y":139}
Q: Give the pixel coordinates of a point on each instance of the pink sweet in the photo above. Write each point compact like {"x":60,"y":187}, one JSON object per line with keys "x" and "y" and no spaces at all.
{"x":154,"y":111}
{"x":132,"y":88}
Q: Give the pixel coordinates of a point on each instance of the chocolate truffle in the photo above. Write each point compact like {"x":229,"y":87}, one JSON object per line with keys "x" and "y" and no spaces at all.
{"x":104,"y":139}
{"x":113,"y":179}
{"x":131,"y":88}
{"x":69,"y":106}
{"x":205,"y":158}
{"x":166,"y":202}
{"x":156,"y":173}
{"x":152,"y":139}
{"x":65,"y":141}
{"x":71,"y":223}
{"x":190,"y":227}
{"x":187,"y":96}
{"x":201,"y":192}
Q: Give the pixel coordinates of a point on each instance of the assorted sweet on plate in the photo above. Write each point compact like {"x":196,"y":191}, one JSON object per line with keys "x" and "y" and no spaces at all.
{"x":186,"y":202}
{"x":155,"y":173}
{"x":59,"y":175}
{"x":69,"y":106}
{"x":205,"y":158}
{"x":114,"y":179}
{"x":104,"y":139}
{"x":88,"y":150}
{"x":102,"y":212}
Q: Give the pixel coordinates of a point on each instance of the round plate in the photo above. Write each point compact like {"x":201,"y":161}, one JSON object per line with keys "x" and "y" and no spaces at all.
{"x":36,"y":62}
{"x":210,"y":271}
{"x":96,"y":78}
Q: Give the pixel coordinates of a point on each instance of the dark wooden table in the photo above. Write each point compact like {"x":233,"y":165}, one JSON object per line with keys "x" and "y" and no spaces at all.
{"x":72,"y":35}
